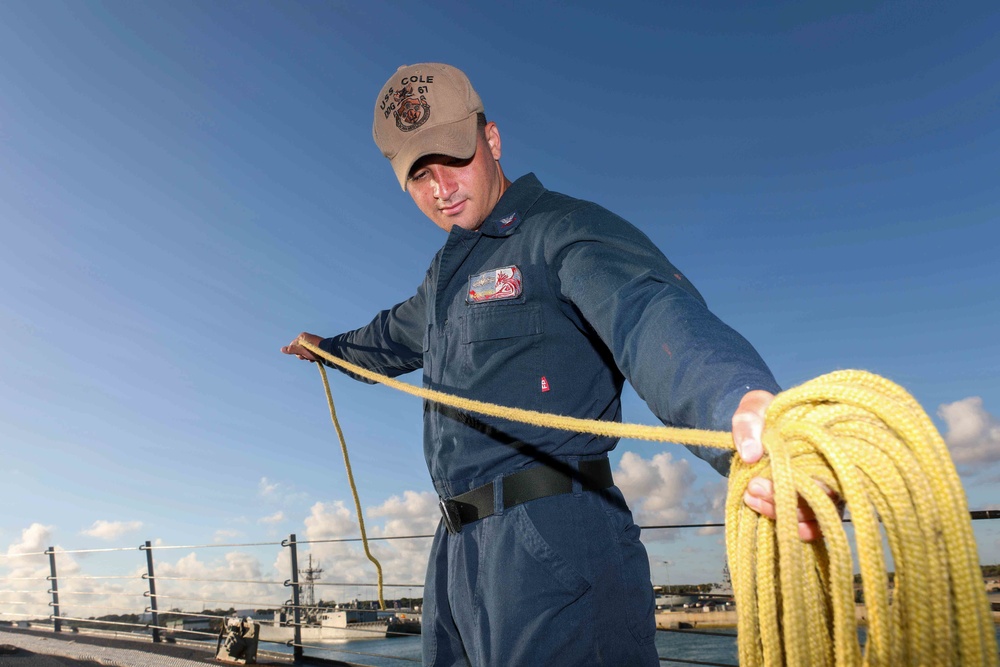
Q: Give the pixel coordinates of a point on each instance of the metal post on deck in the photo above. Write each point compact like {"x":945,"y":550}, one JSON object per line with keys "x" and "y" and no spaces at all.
{"x":56,"y":623}
{"x":152,"y":591}
{"x":296,"y":614}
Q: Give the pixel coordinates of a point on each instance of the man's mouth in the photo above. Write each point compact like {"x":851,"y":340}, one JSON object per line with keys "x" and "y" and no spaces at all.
{"x":453,"y":209}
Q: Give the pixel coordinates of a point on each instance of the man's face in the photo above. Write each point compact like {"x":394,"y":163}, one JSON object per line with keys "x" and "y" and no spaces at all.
{"x":452,"y":192}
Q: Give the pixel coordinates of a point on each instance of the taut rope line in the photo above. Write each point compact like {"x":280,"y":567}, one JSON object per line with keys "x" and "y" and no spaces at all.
{"x":867,"y":440}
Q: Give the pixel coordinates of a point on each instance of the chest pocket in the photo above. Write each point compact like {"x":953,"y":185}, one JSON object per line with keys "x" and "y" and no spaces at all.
{"x":502,"y":322}
{"x":502,"y":346}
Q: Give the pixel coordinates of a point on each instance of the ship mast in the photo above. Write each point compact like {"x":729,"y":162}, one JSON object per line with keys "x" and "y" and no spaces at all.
{"x":311,"y":575}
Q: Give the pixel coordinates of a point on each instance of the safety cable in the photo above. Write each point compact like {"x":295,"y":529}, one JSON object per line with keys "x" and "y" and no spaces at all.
{"x":866,"y":440}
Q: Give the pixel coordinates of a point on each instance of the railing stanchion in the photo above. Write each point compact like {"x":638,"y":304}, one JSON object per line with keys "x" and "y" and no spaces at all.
{"x":56,"y":622}
{"x":296,"y":614}
{"x":152,"y":592}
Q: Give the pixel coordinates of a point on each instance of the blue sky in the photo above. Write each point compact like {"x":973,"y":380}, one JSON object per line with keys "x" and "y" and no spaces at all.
{"x":185,"y":186}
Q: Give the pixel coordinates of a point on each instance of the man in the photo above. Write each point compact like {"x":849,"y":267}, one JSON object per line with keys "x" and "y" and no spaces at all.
{"x":540,"y":301}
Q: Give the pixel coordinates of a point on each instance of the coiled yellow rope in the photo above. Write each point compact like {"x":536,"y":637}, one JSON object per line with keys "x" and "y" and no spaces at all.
{"x":867,"y":440}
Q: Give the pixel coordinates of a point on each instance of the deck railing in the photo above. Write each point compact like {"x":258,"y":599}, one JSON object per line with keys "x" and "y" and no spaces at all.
{"x":60,"y":594}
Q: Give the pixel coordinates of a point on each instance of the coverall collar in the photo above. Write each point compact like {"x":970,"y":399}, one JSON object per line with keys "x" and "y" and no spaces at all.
{"x":513,"y":206}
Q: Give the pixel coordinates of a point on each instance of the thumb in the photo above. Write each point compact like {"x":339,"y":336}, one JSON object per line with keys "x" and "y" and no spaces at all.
{"x":748,"y":424}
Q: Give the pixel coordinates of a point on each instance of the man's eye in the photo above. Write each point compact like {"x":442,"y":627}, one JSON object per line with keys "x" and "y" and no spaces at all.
{"x":419,"y":175}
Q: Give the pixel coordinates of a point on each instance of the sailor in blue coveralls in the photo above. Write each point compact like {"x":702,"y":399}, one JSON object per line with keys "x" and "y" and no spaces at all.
{"x":540,"y":301}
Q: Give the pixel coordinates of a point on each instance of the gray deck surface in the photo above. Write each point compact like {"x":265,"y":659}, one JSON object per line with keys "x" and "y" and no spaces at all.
{"x":39,"y":648}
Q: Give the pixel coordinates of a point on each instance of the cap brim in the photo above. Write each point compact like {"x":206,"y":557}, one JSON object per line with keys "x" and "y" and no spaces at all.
{"x":456,"y":139}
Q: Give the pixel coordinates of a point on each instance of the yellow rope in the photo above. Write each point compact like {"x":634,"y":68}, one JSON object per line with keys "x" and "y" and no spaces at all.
{"x":867,"y":440}
{"x":354,"y":488}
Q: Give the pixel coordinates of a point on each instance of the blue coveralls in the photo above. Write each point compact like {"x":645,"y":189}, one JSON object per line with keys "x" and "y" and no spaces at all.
{"x":550,"y":306}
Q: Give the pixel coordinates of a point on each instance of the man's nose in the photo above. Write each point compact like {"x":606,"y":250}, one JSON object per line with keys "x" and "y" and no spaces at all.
{"x":445,"y":183}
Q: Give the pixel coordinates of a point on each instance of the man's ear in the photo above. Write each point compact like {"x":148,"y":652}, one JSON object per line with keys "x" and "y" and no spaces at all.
{"x":492,"y":133}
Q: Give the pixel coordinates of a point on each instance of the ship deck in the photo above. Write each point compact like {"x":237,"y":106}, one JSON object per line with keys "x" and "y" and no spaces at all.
{"x":35,"y":648}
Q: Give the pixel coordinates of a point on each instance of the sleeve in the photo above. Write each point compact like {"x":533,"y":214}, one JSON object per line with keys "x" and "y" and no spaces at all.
{"x":690,"y":367}
{"x":391,"y":344}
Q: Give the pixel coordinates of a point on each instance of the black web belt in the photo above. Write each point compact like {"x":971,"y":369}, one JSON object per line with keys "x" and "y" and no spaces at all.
{"x":520,"y":487}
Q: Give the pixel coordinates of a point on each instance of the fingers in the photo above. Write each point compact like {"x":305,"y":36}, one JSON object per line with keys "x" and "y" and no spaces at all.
{"x":296,"y":348}
{"x":809,"y":531}
{"x":748,"y":424}
{"x":759,"y":497}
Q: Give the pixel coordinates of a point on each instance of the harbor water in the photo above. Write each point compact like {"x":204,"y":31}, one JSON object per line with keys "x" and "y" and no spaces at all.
{"x":720,"y":650}
{"x":406,"y":650}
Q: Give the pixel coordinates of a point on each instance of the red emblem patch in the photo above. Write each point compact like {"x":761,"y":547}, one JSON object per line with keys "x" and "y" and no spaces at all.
{"x":495,"y":284}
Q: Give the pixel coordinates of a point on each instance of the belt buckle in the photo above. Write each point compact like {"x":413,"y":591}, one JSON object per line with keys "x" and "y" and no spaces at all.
{"x":452,"y":519}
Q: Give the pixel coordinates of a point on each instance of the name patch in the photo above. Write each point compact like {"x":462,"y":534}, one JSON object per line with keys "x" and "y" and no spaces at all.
{"x":495,"y":285}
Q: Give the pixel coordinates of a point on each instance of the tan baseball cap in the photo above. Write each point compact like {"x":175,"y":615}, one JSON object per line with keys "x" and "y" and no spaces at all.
{"x":425,"y":109}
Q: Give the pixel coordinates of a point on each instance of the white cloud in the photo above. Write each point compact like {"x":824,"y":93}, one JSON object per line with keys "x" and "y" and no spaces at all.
{"x":277,"y":517}
{"x":28,"y":564}
{"x":326,"y":525}
{"x":327,"y":521}
{"x":34,"y":538}
{"x":412,"y":514}
{"x":233,"y":579}
{"x":226,"y":534}
{"x":201,"y":579}
{"x":657,"y":489}
{"x":277,"y":493}
{"x":110,"y":530}
{"x":403,"y":561}
{"x":973,"y":434}
{"x":266,"y":488}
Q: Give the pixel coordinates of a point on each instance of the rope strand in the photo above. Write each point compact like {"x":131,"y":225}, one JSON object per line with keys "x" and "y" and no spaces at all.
{"x":354,"y":488}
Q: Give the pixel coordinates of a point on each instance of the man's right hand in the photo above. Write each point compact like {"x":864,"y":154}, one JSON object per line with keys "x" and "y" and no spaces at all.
{"x":296,"y":348}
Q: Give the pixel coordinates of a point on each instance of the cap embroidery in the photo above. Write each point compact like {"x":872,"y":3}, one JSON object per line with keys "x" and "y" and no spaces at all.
{"x":410,"y":113}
